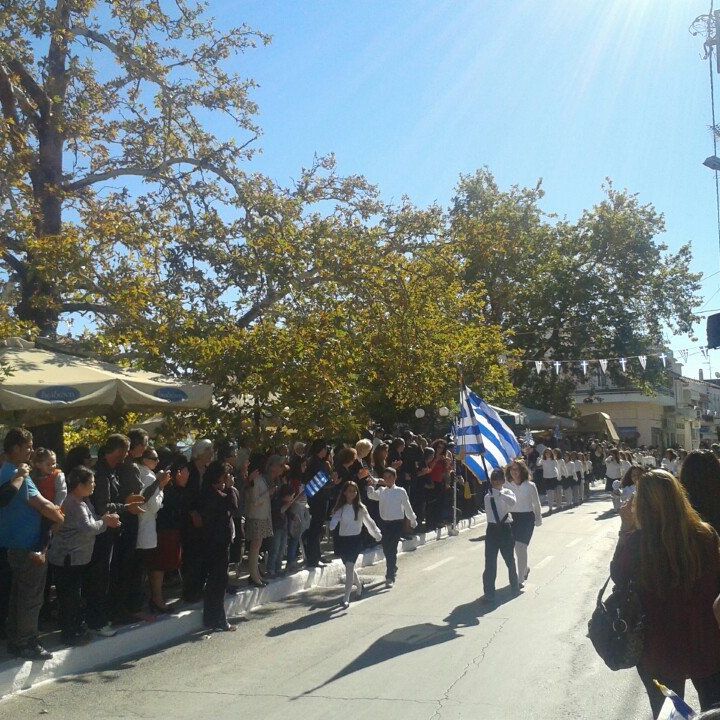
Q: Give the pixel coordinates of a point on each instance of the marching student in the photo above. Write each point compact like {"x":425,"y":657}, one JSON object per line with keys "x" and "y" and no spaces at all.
{"x":564,"y":475}
{"x":612,"y":469}
{"x":350,"y":514}
{"x":499,"y":502}
{"x":551,"y":478}
{"x":587,"y":474}
{"x":394,"y":508}
{"x":572,"y":468}
{"x":526,"y":515}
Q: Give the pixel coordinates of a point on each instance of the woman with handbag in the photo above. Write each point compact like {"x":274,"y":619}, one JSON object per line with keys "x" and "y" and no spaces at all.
{"x":672,"y":558}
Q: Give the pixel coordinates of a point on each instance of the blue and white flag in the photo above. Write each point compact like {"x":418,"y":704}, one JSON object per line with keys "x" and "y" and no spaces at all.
{"x":481,"y":432}
{"x":674,"y":707}
{"x":317,"y":483}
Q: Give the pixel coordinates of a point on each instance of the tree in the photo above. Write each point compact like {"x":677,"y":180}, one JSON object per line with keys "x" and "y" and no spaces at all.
{"x":102,"y":153}
{"x":604,"y":286}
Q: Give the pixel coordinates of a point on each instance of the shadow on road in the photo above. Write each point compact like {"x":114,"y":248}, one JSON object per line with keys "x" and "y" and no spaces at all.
{"x":402,"y":641}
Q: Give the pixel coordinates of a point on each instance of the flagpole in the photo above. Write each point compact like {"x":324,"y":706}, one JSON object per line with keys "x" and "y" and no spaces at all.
{"x":453,"y":529}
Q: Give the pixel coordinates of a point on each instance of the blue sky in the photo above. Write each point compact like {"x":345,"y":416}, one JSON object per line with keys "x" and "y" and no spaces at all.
{"x":412,"y":93}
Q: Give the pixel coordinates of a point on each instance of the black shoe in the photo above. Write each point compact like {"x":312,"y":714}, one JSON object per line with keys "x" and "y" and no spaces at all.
{"x":35,"y":651}
{"x":13,"y":650}
{"x":232,"y":590}
{"x":257,"y":584}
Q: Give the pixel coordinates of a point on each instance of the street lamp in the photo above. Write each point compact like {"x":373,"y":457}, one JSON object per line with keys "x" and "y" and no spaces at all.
{"x":419,"y":413}
{"x":443,"y":412}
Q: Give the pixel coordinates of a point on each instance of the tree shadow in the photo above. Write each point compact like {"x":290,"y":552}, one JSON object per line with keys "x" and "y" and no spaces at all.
{"x":411,"y":638}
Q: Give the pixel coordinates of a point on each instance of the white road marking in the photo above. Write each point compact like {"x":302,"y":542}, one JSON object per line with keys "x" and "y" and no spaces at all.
{"x":436,"y":565}
{"x":574,"y":542}
{"x":543,"y":562}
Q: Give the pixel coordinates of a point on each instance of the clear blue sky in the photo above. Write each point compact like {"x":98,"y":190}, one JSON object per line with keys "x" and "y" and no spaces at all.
{"x":412,"y":93}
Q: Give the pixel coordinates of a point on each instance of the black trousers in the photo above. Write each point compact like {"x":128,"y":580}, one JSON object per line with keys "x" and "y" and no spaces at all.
{"x":499,"y":538}
{"x":194,"y":568}
{"x":68,"y":583}
{"x":216,"y":561}
{"x":5,"y":584}
{"x":391,"y":534}
{"x":434,"y":502}
{"x":311,"y":540}
{"x":126,"y":574}
{"x":708,"y":690}
{"x":96,"y":581}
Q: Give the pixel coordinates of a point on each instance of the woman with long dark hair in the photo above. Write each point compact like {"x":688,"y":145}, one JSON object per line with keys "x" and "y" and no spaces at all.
{"x":526,"y":514}
{"x":700,"y":476}
{"x":350,"y":515}
{"x":673,"y":560}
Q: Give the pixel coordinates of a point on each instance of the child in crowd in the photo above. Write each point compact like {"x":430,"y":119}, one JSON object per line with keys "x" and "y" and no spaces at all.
{"x":351,"y":515}
{"x":280,"y":504}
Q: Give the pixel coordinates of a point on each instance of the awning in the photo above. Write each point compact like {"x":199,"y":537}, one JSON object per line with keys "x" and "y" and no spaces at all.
{"x":45,"y":386}
{"x":540,"y":420}
{"x":599,"y":422}
{"x":517,"y":417}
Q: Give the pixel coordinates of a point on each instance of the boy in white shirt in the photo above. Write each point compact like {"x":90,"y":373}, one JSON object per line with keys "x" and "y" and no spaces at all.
{"x":498,"y":536}
{"x":394,"y":508}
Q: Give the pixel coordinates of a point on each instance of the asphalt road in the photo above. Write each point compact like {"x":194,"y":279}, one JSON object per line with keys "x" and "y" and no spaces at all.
{"x":424,"y":650}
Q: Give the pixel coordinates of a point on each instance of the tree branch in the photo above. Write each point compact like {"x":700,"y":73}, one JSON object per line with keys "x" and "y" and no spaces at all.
{"x":85,"y":307}
{"x":15,"y":263}
{"x":307,"y":280}
{"x":152,"y":172}
{"x":29,"y":84}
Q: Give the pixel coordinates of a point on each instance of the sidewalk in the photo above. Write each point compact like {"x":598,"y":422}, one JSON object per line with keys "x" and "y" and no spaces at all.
{"x":141,"y":638}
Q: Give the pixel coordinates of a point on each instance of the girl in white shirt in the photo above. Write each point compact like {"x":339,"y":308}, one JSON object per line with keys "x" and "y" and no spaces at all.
{"x":526,"y":514}
{"x":350,"y":514}
{"x":564,"y":493}
{"x":551,"y":477}
{"x":671,"y":463}
{"x":612,"y":469}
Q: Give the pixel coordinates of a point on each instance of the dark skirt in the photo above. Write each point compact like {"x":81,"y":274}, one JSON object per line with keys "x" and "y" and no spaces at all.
{"x":523,"y":526}
{"x":167,"y":555}
{"x":566,"y":482}
{"x":539,"y":481}
{"x":348,"y":547}
{"x":550,"y":483}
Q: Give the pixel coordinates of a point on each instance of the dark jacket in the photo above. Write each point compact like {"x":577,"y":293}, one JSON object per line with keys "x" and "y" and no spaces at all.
{"x":106,"y":496}
{"x":218,"y":508}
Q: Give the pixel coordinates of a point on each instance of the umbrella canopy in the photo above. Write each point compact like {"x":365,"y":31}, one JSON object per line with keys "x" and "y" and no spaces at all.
{"x":46,"y":386}
{"x":598,"y":422}
{"x":540,"y":420}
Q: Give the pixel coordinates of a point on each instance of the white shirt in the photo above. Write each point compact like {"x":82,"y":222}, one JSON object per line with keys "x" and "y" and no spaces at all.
{"x":505,"y":501}
{"x":345,"y":517}
{"x":394,"y":503}
{"x":670,"y":465}
{"x":612,"y":468}
{"x":527,"y":499}
{"x":562,"y":469}
{"x":147,"y":529}
{"x":570,"y":466}
{"x":624,"y":467}
{"x":550,"y":469}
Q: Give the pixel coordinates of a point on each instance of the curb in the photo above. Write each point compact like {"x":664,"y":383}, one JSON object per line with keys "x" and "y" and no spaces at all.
{"x":140,"y":638}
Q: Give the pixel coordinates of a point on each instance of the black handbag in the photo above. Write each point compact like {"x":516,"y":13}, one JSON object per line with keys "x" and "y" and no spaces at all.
{"x":617,"y":627}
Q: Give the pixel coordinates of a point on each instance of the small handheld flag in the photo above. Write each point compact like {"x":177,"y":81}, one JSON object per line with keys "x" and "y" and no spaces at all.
{"x":674,"y":708}
{"x":317,"y":483}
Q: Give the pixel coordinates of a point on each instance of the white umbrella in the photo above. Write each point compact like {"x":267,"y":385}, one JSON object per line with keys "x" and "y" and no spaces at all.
{"x":46,"y":386}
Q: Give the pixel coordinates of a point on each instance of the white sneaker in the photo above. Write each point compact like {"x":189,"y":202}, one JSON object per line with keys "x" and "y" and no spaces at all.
{"x":106,"y":631}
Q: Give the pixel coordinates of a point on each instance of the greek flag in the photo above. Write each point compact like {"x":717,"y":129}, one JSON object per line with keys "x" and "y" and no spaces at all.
{"x":317,"y":483}
{"x":480,"y":431}
{"x":674,"y":708}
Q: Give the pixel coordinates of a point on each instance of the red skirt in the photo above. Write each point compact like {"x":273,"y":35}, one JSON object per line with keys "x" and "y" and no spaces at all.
{"x":168,"y":554}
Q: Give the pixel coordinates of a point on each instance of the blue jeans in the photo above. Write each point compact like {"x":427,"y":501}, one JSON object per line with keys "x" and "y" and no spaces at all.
{"x":275,"y":558}
{"x":293,"y":546}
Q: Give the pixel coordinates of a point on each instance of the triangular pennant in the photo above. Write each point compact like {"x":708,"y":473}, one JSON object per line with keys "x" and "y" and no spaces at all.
{"x":603,"y":365}
{"x":584,"y":366}
{"x":704,"y":352}
{"x":557,"y":365}
{"x":643,"y":361}
{"x":663,"y":357}
{"x":538,"y":366}
{"x":623,"y":363}
{"x":684,"y":354}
